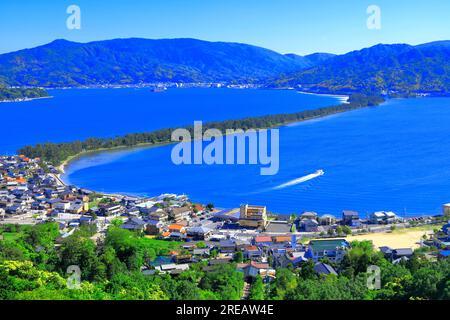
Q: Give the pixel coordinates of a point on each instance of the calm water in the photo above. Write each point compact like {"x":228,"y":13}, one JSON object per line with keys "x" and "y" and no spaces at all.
{"x":79,"y":114}
{"x":394,"y":157}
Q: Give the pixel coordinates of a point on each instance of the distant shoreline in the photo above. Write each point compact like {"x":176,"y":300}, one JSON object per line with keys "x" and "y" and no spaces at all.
{"x":25,"y":99}
{"x":71,"y":159}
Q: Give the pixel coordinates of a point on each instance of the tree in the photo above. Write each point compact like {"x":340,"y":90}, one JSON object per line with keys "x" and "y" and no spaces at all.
{"x":307,"y":270}
{"x":80,"y":251}
{"x":238,"y":257}
{"x":135,"y":286}
{"x":293,"y":228}
{"x":257,"y":289}
{"x":116,"y":222}
{"x":20,"y":276}
{"x":361,"y":255}
{"x":200,"y":245}
{"x":286,"y":281}
{"x":225,"y":281}
{"x":347,"y":230}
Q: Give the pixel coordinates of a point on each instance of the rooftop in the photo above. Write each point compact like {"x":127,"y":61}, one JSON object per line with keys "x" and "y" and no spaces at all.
{"x":321,"y":245}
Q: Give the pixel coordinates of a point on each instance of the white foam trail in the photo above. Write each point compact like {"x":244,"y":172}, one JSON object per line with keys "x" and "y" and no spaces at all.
{"x":294,"y":182}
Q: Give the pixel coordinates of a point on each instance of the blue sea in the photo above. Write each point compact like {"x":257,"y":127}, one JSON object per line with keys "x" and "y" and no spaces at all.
{"x":82,"y":113}
{"x":393,"y":157}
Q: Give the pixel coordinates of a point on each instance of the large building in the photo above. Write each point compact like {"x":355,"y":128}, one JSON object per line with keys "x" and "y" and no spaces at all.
{"x":446,"y":209}
{"x":253,"y":216}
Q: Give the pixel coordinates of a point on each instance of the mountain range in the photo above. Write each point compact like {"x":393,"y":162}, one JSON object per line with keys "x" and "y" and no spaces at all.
{"x":395,"y":68}
{"x":132,"y":61}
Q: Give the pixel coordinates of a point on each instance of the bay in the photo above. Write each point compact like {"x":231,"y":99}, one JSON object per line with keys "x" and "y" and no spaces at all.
{"x":392,"y":157}
{"x":77,"y":114}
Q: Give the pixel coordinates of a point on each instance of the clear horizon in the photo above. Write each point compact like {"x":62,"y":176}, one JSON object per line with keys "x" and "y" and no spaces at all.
{"x":285,"y":26}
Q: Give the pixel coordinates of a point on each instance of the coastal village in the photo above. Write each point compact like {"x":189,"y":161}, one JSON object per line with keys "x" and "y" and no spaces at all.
{"x":31,"y":192}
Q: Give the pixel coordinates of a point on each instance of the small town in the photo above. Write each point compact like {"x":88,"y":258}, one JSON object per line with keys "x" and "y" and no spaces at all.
{"x":31,"y":192}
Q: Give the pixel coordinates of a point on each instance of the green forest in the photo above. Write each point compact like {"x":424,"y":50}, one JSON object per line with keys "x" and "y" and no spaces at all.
{"x":12,"y":94}
{"x":56,"y":153}
{"x":32,"y":267}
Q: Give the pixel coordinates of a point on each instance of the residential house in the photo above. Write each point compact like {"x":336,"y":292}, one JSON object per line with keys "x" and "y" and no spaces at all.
{"x":199,"y":233}
{"x":377,"y":217}
{"x":332,"y":249}
{"x":382,"y":217}
{"x":308,"y":215}
{"x":252,"y":252}
{"x":253,"y":269}
{"x":324,"y":269}
{"x":159,"y":215}
{"x":386,"y":251}
{"x":227,"y":246}
{"x":293,"y":258}
{"x":177,"y":236}
{"x":283,"y":240}
{"x":133,"y":212}
{"x":350,"y":218}
{"x":402,"y":254}
{"x":78,"y":207}
{"x":241,"y":244}
{"x":154,"y":227}
{"x":263,"y":241}
{"x":180,"y":213}
{"x":15,"y":209}
{"x":86,"y":220}
{"x":112,"y":209}
{"x":175,"y":227}
{"x":280,"y":227}
{"x":185,"y":258}
{"x":202,"y":252}
{"x":172,"y":268}
{"x":219,"y":261}
{"x":309,"y":225}
{"x":134,"y":224}
{"x":327,"y":220}
{"x":62,"y":206}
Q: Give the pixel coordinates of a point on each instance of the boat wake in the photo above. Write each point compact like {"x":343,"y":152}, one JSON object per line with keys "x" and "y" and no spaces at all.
{"x":294,"y":182}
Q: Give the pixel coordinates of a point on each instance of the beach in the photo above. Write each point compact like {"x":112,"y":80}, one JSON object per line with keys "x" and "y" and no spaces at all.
{"x":404,"y":238}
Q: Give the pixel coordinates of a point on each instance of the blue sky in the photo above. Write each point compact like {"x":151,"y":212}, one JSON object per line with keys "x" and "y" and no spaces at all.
{"x":298,"y":26}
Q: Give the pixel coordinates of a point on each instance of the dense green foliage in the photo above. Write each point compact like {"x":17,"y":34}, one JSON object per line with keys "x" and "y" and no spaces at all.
{"x":13,"y":94}
{"x":58,"y":152}
{"x":32,"y":267}
{"x":132,"y":61}
{"x":418,"y":278}
{"x":397,"y":69}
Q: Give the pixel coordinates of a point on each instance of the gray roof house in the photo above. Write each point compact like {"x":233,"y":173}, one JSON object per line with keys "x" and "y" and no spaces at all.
{"x":323,"y":268}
